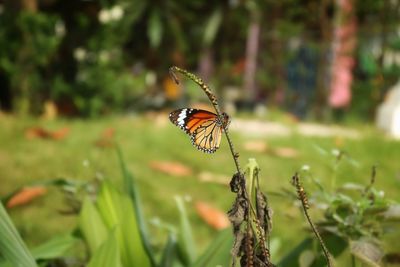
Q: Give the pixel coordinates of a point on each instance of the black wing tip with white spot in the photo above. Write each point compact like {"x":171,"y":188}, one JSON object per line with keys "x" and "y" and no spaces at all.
{"x":178,"y":117}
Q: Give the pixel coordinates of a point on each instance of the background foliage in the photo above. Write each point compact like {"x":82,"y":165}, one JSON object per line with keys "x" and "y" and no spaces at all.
{"x":93,"y":57}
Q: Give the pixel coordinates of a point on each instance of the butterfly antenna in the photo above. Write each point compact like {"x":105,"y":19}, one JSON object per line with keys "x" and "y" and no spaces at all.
{"x":173,"y":75}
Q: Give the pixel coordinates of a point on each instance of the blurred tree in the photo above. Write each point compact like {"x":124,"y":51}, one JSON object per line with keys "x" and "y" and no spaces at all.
{"x":92,"y":57}
{"x":206,"y":57}
{"x":253,"y":37}
{"x":325,"y":33}
{"x":27,"y":44}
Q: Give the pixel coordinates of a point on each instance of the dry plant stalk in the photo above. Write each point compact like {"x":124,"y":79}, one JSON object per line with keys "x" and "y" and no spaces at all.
{"x":250,"y":215}
{"x":304,"y":203}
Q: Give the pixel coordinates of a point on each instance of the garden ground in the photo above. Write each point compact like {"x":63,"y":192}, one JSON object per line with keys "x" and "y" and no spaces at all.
{"x":85,"y":151}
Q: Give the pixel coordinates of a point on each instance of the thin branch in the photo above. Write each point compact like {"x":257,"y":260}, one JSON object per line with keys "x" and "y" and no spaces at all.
{"x":304,"y":202}
{"x":235,"y":156}
{"x":214,"y":102}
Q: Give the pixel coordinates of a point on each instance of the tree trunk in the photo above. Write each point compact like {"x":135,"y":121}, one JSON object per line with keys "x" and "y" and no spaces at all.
{"x":323,"y":67}
{"x":250,"y":69}
{"x":206,"y":64}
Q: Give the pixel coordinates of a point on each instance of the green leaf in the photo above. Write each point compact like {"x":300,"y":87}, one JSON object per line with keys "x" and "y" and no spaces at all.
{"x":11,"y":245}
{"x":169,"y":253}
{"x":306,"y":258}
{"x":155,"y":29}
{"x":274,"y":246}
{"x":5,"y":264}
{"x":117,"y":209}
{"x":108,"y":254}
{"x":335,"y":244}
{"x":91,"y":225}
{"x":251,"y":170}
{"x":132,"y":190}
{"x":137,"y":9}
{"x":212,"y":27}
{"x":186,"y":244}
{"x":291,"y":259}
{"x":218,"y":252}
{"x":54,"y":248}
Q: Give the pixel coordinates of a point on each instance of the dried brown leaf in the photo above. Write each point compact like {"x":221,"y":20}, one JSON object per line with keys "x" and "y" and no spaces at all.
{"x":286,"y":152}
{"x":106,"y":139}
{"x":39,"y":132}
{"x":212,"y":216}
{"x":214,"y":178}
{"x":25,"y":196}
{"x":256,"y":146}
{"x":171,"y":168}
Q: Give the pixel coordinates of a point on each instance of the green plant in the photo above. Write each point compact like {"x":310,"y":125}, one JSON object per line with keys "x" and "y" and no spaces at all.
{"x":114,"y":221}
{"x":354,"y":217}
{"x":11,"y":245}
{"x":113,"y":228}
{"x":14,"y":252}
{"x":28,"y":45}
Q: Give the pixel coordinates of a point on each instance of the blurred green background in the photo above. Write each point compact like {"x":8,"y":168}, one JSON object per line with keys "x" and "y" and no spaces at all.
{"x":301,"y":77}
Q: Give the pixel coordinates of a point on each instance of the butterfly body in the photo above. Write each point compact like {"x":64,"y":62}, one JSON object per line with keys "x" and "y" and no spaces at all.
{"x":204,"y":127}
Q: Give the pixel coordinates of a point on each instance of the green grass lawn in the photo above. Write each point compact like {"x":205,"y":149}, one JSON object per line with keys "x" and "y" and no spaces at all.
{"x":151,"y":137}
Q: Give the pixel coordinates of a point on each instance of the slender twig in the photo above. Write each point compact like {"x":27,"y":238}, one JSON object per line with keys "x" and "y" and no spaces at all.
{"x":371,"y":180}
{"x":235,"y":155}
{"x":214,"y":102}
{"x":304,"y":203}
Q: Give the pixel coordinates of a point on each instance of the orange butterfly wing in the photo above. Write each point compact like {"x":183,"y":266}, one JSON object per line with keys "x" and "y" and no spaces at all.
{"x":203,"y":127}
{"x":207,"y":137}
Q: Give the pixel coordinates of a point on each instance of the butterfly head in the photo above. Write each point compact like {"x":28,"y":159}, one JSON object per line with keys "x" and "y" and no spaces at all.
{"x":225,"y":120}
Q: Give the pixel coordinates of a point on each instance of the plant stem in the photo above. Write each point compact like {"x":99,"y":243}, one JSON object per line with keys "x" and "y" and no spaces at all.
{"x":214,"y":102}
{"x":304,"y":203}
{"x":252,"y":221}
{"x":234,"y":154}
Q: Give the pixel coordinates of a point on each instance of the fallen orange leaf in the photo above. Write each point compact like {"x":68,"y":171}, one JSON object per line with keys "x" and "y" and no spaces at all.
{"x":108,"y":133}
{"x":214,"y":178}
{"x":286,"y":152}
{"x":256,"y":146}
{"x":39,"y":132}
{"x":212,"y":216}
{"x":36,"y":132}
{"x":60,"y":134}
{"x":26,"y":195}
{"x":106,"y":139}
{"x":171,"y":168}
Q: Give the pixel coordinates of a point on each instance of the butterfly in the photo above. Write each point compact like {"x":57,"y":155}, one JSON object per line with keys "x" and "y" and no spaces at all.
{"x":204,"y":127}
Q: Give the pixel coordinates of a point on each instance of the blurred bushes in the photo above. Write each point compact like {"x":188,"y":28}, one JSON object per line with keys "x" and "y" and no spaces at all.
{"x":93,"y":57}
{"x":78,"y":62}
{"x":28,"y":42}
